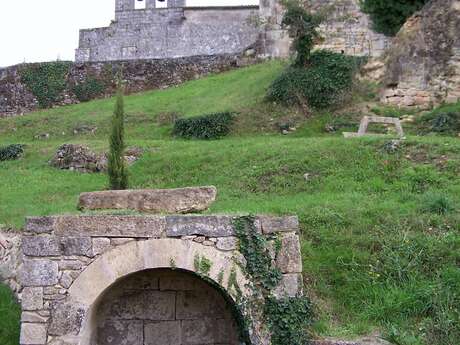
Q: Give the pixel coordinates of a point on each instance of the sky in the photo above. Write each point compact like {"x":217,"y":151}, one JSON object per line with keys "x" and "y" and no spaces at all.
{"x":46,"y":30}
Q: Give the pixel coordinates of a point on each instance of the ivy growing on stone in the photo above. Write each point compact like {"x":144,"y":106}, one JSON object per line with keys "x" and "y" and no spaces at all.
{"x":202,"y":265}
{"x":46,"y":81}
{"x":89,"y":89}
{"x":11,"y":152}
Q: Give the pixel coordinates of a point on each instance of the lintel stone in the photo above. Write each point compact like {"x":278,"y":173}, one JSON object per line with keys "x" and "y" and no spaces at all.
{"x":271,"y":224}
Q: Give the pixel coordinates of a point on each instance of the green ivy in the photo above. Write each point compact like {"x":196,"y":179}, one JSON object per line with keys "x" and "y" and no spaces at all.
{"x":211,"y":126}
{"x":389,"y":15}
{"x":11,"y":152}
{"x":202,"y":265}
{"x":89,"y":89}
{"x":46,"y":81}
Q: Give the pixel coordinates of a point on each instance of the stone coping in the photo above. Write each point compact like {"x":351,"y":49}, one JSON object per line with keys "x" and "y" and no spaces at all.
{"x":152,"y":226}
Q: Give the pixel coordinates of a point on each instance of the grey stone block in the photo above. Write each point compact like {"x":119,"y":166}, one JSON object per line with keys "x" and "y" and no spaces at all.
{"x":227,"y":243}
{"x":278,"y":224}
{"x":210,"y":226}
{"x":40,"y":225}
{"x":39,"y":273}
{"x":118,"y":332}
{"x":290,"y":286}
{"x":32,"y":317}
{"x":164,"y":333}
{"x":66,"y":318}
{"x":33,"y":334}
{"x":40,"y":246}
{"x":81,"y":246}
{"x":195,"y":332}
{"x":289,"y":259}
{"x":200,"y":304}
{"x":32,"y":298}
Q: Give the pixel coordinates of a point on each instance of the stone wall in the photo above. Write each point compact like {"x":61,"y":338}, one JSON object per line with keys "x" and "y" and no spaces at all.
{"x":154,"y":33}
{"x":422,"y":68}
{"x":347,"y":29}
{"x":138,"y":75}
{"x":10,"y":257}
{"x":71,"y":263}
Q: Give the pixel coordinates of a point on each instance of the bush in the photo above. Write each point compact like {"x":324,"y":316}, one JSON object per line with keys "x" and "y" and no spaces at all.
{"x":211,"y":126}
{"x":88,"y":90}
{"x":46,"y":81}
{"x":11,"y":152}
{"x":389,"y":15}
{"x":442,"y":123}
{"x":325,"y":82}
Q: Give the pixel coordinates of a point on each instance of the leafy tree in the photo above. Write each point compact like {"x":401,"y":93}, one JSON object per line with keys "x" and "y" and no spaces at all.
{"x":303,"y":28}
{"x":118,"y":175}
{"x":389,"y":15}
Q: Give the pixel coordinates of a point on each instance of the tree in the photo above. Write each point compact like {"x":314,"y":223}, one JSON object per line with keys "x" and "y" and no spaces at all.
{"x":303,"y":28}
{"x":118,"y":175}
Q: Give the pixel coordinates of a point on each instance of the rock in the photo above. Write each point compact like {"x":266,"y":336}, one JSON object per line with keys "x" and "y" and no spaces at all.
{"x":42,"y":136}
{"x":289,"y":259}
{"x":272,"y":224}
{"x":33,"y":334}
{"x":181,"y":200}
{"x":32,"y":298}
{"x":290,"y":286}
{"x":39,"y":273}
{"x":227,"y":243}
{"x":84,"y":129}
{"x":40,"y":246}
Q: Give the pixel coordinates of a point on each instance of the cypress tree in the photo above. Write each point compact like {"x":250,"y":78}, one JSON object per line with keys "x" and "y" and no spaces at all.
{"x":118,"y":175}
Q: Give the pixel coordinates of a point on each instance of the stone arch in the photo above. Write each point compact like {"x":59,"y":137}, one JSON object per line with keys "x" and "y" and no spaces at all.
{"x":79,"y":309}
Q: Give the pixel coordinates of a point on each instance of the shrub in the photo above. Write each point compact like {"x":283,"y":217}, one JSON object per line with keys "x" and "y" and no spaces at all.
{"x":442,"y":123}
{"x":88,"y":89}
{"x":211,"y":126}
{"x":118,"y":176}
{"x":11,"y":152}
{"x":46,"y":81}
{"x":325,"y":82}
{"x":389,"y":15}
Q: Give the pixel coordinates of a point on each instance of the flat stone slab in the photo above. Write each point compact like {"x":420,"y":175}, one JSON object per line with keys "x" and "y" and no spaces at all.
{"x":180,"y":200}
{"x":366,"y":120}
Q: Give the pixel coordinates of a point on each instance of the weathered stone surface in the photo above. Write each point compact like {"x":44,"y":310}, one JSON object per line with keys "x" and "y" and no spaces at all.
{"x":77,"y":246}
{"x":210,"y":226}
{"x":33,"y":334}
{"x":195,"y":332}
{"x":39,"y":273}
{"x":164,"y":333}
{"x":289,"y":259}
{"x":10,"y":258}
{"x":199,"y":304}
{"x":32,"y":317}
{"x":32,"y":298}
{"x":40,"y":225}
{"x":66,"y":318}
{"x":40,"y":246}
{"x":110,"y":226}
{"x":118,"y":332}
{"x":227,"y":243}
{"x":290,"y":286}
{"x":180,"y":200}
{"x":271,"y":224}
{"x":100,"y":245}
{"x":423,"y":64}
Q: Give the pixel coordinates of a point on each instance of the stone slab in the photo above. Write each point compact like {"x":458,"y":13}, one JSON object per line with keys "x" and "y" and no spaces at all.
{"x":40,"y":225}
{"x":291,"y":285}
{"x":278,"y":224}
{"x":40,"y":246}
{"x":210,"y":226}
{"x":39,"y":273}
{"x":80,"y":246}
{"x":110,"y":226}
{"x":33,"y":334}
{"x":32,"y":298}
{"x":118,"y":332}
{"x":67,"y":318}
{"x":197,"y":332}
{"x":164,"y":333}
{"x":289,"y":259}
{"x":180,"y":200}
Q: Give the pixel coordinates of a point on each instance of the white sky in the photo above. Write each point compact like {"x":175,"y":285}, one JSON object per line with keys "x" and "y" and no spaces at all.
{"x":45,"y":30}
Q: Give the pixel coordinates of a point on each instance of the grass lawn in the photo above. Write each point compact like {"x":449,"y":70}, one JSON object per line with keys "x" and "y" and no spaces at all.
{"x":380,"y":229}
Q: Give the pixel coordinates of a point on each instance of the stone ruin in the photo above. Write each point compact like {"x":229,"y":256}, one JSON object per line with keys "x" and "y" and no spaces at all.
{"x":147,"y":279}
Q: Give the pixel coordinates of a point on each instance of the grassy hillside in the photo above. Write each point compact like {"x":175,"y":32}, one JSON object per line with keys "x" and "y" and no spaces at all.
{"x":380,"y":228}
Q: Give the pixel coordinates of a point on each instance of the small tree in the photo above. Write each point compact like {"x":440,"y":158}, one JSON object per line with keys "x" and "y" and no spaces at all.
{"x":303,"y":28}
{"x":118,"y":175}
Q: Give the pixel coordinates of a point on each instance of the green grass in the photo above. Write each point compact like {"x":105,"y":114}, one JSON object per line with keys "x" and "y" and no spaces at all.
{"x":9,"y":317}
{"x":378,"y":253}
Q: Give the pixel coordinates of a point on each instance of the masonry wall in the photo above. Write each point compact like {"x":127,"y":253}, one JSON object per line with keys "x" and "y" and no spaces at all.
{"x":169,"y":33}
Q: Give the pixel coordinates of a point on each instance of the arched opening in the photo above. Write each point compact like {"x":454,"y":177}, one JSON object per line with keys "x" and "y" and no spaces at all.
{"x":164,"y":307}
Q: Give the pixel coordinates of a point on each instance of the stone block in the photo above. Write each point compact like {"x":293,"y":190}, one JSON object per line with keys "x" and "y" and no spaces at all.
{"x":118,"y":332}
{"x":40,"y":246}
{"x":181,"y":283}
{"x":199,"y":304}
{"x":110,"y":226}
{"x":278,"y":224}
{"x":40,"y":225}
{"x":38,"y":273}
{"x":289,"y":259}
{"x":181,"y":200}
{"x":32,"y":298}
{"x":100,"y":245}
{"x":227,"y":243}
{"x":81,"y":246}
{"x":197,"y":332}
{"x":210,"y":226}
{"x":291,"y":285}
{"x":32,"y":317}
{"x":159,"y":305}
{"x":148,"y":280}
{"x":33,"y":334}
{"x":66,"y":319}
{"x":164,"y":333}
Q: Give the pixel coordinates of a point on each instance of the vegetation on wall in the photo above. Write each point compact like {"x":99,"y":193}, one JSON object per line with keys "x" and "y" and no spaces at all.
{"x":10,"y":313}
{"x":388,"y":16}
{"x":88,"y":89}
{"x":118,"y":174}
{"x":211,"y":126}
{"x":46,"y":80}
